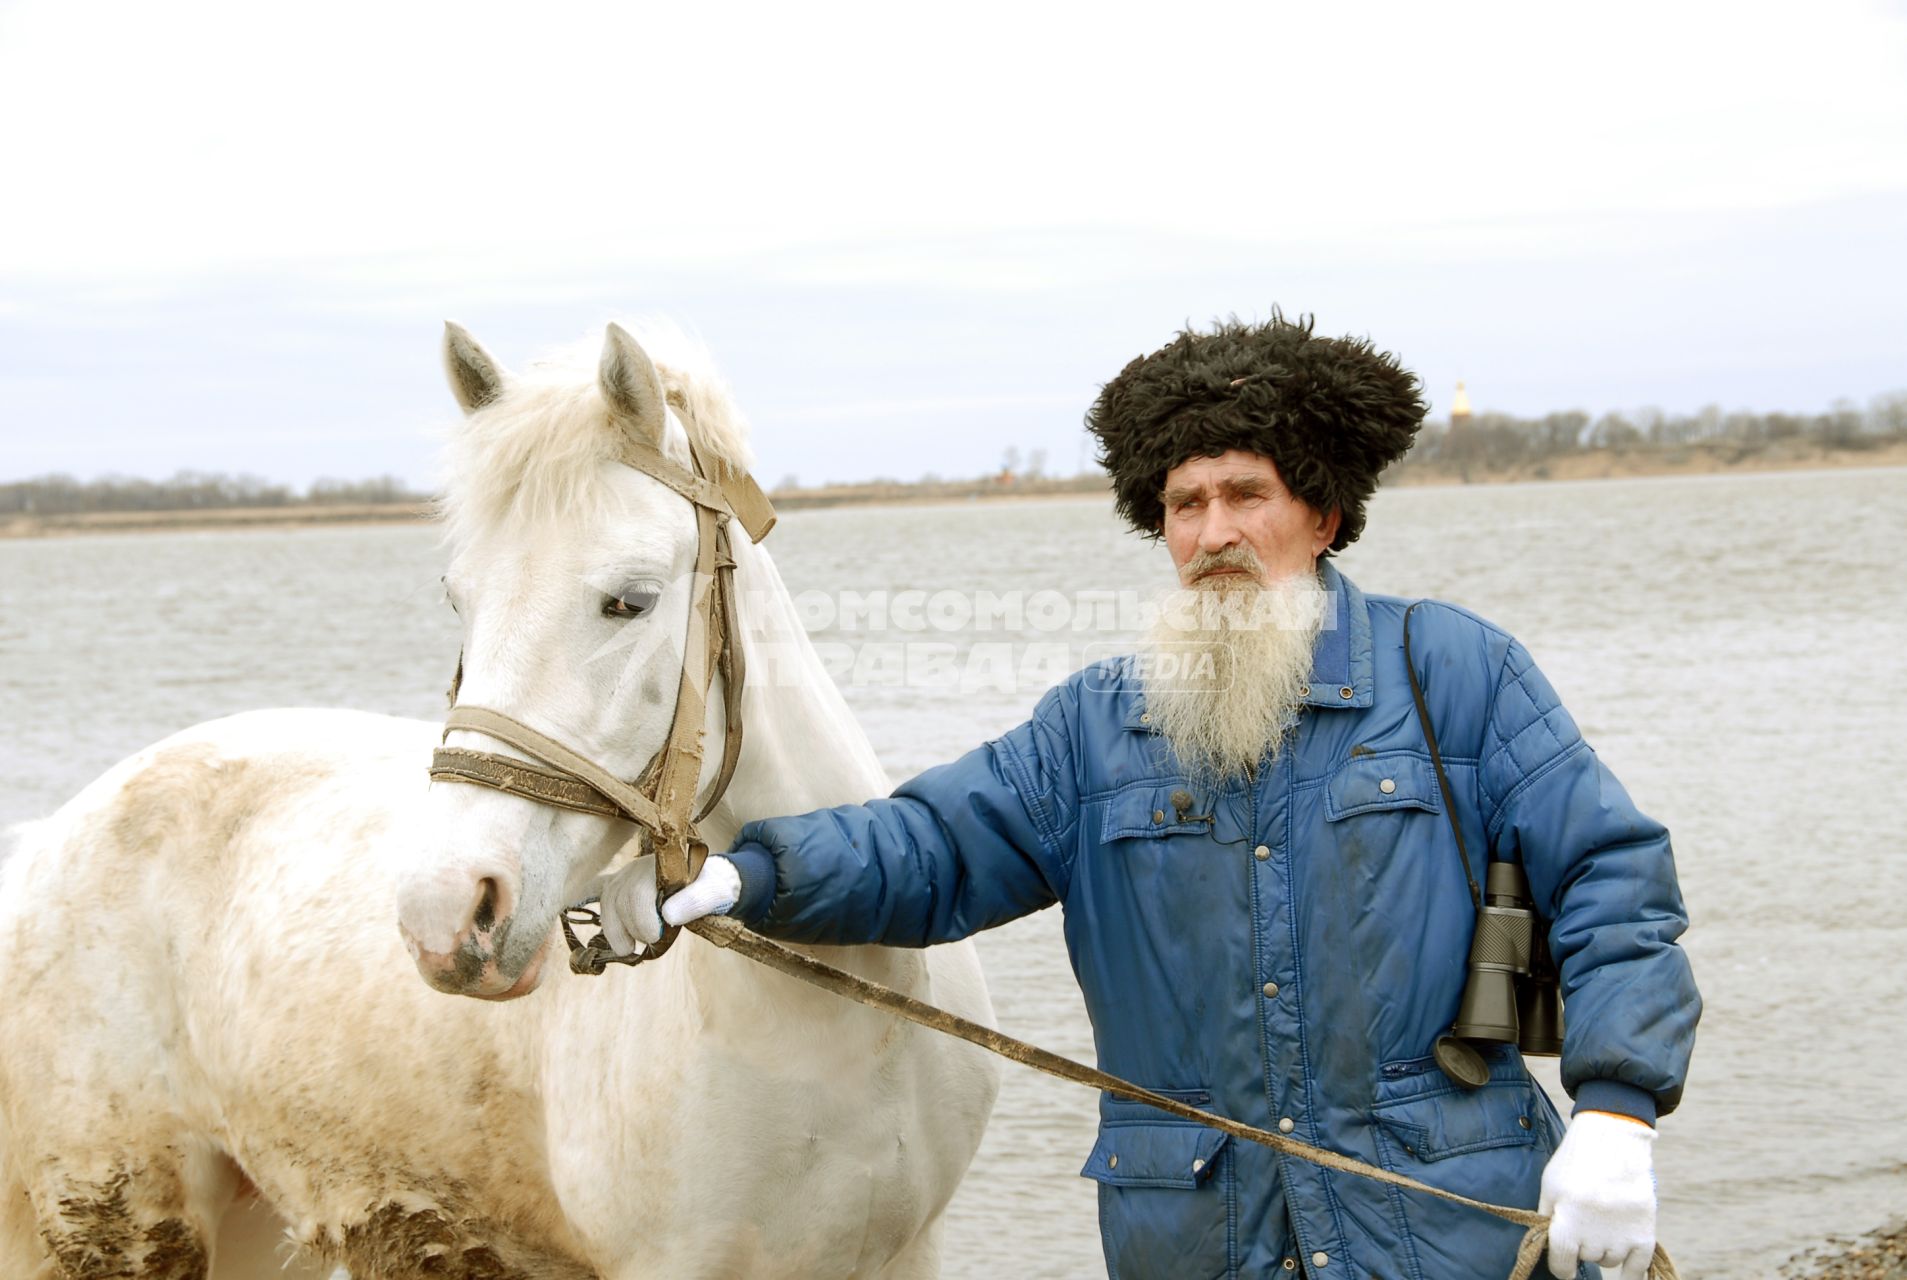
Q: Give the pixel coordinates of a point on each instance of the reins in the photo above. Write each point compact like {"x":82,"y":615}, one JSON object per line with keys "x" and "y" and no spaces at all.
{"x":660,"y":803}
{"x":730,"y":934}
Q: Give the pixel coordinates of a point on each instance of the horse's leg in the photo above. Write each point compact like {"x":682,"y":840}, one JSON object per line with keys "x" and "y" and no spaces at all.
{"x":253,"y":1244}
{"x":920,"y":1260}
{"x":22,"y":1253}
{"x":144,"y":1213}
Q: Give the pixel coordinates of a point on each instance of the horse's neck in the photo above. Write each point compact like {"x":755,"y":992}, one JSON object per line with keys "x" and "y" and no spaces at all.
{"x":802,"y":749}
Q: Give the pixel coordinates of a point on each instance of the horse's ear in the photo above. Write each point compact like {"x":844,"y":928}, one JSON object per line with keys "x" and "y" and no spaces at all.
{"x":631,"y":386}
{"x":475,"y":379}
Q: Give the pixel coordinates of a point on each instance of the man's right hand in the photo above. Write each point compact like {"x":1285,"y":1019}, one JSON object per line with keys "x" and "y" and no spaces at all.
{"x":628,"y":901}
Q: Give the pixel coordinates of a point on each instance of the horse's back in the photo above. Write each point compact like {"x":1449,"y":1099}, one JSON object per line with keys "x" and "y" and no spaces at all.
{"x":132,"y":929}
{"x":208,"y":991}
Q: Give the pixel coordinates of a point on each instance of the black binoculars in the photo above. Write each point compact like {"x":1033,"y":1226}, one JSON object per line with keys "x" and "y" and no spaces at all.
{"x":1513,"y":994}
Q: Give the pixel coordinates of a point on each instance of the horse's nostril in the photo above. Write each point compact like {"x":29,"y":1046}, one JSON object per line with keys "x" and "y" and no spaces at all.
{"x":486,"y":916}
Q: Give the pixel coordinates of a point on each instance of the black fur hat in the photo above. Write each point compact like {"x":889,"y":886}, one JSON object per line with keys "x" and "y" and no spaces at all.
{"x":1330,"y":413}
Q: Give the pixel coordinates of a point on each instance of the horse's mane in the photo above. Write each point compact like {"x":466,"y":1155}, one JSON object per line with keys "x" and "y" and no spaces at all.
{"x":534,"y":455}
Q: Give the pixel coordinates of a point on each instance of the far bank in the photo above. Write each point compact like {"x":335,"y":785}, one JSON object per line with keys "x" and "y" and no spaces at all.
{"x":1599,"y":464}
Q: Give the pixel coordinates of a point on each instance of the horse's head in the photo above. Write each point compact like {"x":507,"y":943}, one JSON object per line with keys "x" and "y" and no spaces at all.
{"x":572,"y":574}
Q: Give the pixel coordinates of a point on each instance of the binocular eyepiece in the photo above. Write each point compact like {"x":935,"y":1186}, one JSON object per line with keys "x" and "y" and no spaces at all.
{"x":1513,"y":995}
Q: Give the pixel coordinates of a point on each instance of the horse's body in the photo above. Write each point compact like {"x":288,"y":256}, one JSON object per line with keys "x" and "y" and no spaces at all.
{"x":207,"y":998}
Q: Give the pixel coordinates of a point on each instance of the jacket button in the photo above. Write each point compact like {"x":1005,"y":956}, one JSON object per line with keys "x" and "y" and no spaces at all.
{"x":1387,"y":786}
{"x":1291,"y":1264}
{"x":1524,"y":1121}
{"x":1347,"y":692}
{"x":1197,"y":1165}
{"x":1146,"y":718}
{"x":1261,"y":853}
{"x":1271,"y":991}
{"x":1112,"y":1162}
{"x":1158,"y":815}
{"x":1320,"y":1259}
{"x":1287,"y":1124}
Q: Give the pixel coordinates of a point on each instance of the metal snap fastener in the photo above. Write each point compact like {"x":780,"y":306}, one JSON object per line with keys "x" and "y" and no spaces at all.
{"x":1291,"y":1264}
{"x":1146,"y":718}
{"x":1387,"y":786}
{"x":1261,"y":853}
{"x":1112,"y":1162}
{"x":1347,"y":692}
{"x":1524,"y":1121}
{"x":1320,"y":1259}
{"x":1271,"y":991}
{"x":1287,"y":1124}
{"x":1198,"y":1166}
{"x":1158,"y":815}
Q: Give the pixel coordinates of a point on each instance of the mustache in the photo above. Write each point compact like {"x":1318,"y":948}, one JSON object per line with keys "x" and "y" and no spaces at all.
{"x":1206,"y":562}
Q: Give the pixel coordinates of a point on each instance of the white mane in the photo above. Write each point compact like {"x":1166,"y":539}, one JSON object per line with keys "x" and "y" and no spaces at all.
{"x":534,"y":455}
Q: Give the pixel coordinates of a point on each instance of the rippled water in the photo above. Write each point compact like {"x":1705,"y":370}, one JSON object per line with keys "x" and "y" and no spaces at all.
{"x":1735,"y":647}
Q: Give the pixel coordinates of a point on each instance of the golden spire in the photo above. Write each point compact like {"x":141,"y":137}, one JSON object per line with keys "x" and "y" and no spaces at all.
{"x":1460,"y":407}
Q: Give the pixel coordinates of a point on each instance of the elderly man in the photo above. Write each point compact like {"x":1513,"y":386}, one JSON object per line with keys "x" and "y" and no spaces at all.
{"x":1266,"y":863}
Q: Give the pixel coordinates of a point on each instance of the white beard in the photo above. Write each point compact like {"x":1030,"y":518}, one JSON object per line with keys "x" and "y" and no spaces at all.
{"x":1225,"y":666}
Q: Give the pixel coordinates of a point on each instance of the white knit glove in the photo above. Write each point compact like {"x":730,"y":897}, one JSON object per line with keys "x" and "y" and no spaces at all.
{"x":629,"y":901}
{"x":1599,"y":1191}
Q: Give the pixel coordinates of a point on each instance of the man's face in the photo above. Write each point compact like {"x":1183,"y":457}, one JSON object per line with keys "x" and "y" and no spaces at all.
{"x":1238,"y":500}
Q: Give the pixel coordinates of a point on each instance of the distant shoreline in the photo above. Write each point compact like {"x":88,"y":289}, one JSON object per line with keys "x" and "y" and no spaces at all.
{"x":287,"y":517}
{"x":1709,"y":458}
{"x":1589,"y":465}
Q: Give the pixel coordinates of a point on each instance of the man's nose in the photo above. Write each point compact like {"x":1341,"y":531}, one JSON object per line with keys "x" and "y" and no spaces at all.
{"x":1219,"y":530}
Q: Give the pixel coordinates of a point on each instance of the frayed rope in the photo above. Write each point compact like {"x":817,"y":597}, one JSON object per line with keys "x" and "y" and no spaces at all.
{"x":1536,"y":1244}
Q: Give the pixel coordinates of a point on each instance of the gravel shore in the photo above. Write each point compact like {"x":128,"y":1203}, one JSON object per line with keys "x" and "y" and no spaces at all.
{"x":1879,"y":1255}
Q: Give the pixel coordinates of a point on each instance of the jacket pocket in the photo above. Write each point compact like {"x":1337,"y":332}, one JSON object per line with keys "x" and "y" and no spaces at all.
{"x":1167,"y":1202}
{"x":1155,"y":810}
{"x":1439,"y":1125}
{"x":1371,"y":784}
{"x":1490,"y":1144}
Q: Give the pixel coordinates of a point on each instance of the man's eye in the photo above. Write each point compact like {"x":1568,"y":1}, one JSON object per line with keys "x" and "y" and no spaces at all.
{"x":633,"y":603}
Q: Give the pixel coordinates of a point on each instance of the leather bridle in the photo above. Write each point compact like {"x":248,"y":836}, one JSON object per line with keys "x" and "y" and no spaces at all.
{"x":662,"y":801}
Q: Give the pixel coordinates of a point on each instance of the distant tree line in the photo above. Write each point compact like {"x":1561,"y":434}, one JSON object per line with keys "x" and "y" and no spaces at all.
{"x":190,"y":491}
{"x":1496,"y":441}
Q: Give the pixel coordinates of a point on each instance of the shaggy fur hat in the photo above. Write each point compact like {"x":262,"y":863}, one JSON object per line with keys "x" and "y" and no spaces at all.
{"x":1330,"y":413}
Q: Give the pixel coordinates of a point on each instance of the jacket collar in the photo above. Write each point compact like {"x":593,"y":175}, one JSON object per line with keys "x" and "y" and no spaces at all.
{"x":1340,"y":664}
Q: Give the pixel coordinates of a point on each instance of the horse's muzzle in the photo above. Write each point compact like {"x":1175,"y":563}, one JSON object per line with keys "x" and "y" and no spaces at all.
{"x":473,"y":967}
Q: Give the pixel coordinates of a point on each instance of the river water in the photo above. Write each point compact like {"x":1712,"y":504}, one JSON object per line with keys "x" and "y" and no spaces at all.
{"x":1734,"y":647}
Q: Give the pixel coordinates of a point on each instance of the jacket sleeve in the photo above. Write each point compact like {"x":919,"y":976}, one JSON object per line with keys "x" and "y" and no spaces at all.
{"x":1603,"y":877}
{"x":960,"y":848}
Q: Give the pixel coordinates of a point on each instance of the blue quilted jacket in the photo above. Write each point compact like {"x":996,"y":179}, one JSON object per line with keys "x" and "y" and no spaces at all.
{"x":1286,"y":951}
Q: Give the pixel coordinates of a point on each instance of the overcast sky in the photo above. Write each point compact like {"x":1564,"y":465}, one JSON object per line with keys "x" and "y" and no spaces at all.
{"x":913,"y":236}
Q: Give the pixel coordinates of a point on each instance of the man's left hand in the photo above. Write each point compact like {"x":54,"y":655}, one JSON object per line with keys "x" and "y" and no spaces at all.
{"x":628,"y":901}
{"x":1599,"y":1192}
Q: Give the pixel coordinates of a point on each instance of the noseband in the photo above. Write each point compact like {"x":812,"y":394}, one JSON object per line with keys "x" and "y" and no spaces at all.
{"x":662,"y":800}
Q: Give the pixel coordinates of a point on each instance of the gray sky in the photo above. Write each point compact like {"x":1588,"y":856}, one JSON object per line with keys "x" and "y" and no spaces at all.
{"x":229,"y":233}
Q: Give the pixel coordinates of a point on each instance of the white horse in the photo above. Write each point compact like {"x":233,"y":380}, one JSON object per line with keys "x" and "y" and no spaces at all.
{"x":207,"y":1002}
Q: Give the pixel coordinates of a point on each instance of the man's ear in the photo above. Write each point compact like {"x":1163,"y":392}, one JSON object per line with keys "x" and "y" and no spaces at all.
{"x":1327,"y":530}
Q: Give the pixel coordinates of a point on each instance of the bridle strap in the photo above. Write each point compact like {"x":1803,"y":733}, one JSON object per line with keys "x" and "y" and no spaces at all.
{"x":679,"y":767}
{"x":451,"y":764}
{"x":521,"y":778}
{"x":738,"y":495}
{"x":732,"y":663}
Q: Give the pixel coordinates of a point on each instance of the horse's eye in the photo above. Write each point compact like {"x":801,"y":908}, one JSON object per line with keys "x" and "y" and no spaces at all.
{"x":633,"y":603}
